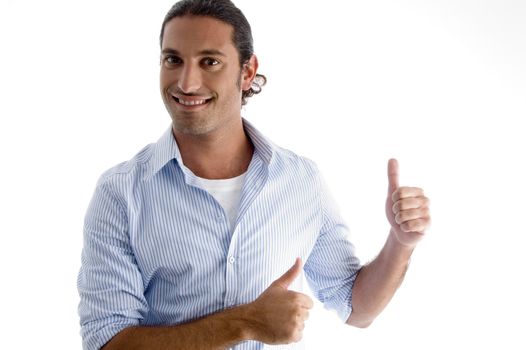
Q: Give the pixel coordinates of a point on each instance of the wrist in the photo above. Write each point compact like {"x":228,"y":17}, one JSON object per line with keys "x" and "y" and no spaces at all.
{"x":396,"y":247}
{"x":243,"y":322}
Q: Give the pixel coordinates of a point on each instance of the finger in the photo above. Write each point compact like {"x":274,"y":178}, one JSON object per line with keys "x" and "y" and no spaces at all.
{"x":392,"y":175}
{"x":410,"y":203}
{"x":300,"y":300}
{"x":411,"y":214}
{"x":407,"y":192}
{"x":288,"y":277}
{"x":418,"y":225}
{"x":303,"y":315}
{"x":305,"y":301}
{"x":298,"y":335}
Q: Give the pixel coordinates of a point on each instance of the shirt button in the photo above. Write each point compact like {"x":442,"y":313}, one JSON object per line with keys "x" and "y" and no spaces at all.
{"x":231,"y":260}
{"x":219,"y":217}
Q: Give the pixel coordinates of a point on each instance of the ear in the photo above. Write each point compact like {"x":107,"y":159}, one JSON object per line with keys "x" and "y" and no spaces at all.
{"x":249,"y":73}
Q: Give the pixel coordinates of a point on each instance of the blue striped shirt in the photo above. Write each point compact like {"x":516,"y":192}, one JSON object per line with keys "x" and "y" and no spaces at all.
{"x":158,"y":250}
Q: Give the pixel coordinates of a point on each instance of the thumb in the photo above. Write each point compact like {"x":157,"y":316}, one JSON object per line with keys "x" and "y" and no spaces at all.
{"x":392,"y":174}
{"x":288,"y":277}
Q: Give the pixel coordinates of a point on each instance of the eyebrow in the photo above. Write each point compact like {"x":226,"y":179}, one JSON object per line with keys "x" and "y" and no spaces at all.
{"x":201,"y":53}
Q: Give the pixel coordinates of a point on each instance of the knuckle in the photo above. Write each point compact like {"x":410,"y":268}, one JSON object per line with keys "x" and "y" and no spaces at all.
{"x":416,"y":225}
{"x":297,"y":336}
{"x":296,"y":309}
{"x":425,"y":221}
{"x":310,"y":304}
{"x":298,"y":323}
{"x":411,"y":225}
{"x":296,"y":299}
{"x":306,"y":315}
{"x":414,"y":213}
{"x":415,"y":203}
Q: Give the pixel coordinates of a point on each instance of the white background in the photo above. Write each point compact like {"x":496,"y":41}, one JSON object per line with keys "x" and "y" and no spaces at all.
{"x":440,"y":85}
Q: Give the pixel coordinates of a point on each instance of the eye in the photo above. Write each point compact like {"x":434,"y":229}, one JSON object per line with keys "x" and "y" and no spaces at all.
{"x":172,"y":60}
{"x":208,"y":61}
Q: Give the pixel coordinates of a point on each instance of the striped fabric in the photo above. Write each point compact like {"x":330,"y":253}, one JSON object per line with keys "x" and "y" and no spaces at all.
{"x":158,"y":250}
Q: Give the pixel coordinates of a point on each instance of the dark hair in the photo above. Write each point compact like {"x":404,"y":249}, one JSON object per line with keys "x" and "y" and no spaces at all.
{"x":225,"y":11}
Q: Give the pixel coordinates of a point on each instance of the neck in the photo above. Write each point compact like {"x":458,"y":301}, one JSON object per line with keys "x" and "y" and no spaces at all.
{"x":216,"y":155}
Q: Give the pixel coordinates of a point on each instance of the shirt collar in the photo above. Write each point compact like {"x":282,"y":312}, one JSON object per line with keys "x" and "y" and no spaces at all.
{"x":166,"y":148}
{"x":262,"y":145}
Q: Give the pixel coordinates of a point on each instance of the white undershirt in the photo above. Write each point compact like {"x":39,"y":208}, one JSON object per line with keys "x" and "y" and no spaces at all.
{"x":227,"y":192}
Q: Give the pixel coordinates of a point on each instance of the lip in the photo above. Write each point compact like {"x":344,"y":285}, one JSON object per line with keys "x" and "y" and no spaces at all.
{"x":191,"y":99}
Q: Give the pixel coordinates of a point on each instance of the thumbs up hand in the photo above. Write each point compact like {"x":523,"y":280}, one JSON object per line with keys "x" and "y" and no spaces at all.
{"x":407,"y":209}
{"x":277,"y":316}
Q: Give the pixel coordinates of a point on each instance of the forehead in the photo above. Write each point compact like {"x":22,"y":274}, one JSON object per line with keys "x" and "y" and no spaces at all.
{"x":189,"y":34}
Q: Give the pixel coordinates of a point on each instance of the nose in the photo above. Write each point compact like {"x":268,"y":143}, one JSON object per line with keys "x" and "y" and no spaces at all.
{"x":190,"y":79}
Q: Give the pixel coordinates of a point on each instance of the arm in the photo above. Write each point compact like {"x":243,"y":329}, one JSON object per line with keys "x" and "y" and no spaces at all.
{"x":408,"y":213}
{"x":276,"y":317}
{"x":377,"y":282}
{"x":217,"y":331}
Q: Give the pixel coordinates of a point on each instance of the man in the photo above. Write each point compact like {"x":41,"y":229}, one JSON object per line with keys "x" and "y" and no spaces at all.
{"x":198,"y":242}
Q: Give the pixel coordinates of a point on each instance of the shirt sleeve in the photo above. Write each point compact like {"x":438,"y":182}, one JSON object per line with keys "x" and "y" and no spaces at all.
{"x":109,"y":282}
{"x":332,"y":266}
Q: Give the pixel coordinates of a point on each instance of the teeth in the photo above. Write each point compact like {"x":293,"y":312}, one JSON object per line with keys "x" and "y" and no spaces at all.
{"x":191,"y":103}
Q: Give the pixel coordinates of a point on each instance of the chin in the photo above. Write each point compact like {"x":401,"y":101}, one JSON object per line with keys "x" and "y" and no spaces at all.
{"x":192,"y":129}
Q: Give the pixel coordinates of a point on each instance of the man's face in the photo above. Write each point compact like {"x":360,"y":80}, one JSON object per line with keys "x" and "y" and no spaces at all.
{"x":201,"y":80}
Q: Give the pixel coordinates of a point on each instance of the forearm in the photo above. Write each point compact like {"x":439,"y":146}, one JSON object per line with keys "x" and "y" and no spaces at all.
{"x":377,"y":282}
{"x":217,"y":331}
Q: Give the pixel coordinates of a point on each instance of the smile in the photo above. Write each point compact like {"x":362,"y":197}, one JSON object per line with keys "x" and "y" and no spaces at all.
{"x":189,"y":103}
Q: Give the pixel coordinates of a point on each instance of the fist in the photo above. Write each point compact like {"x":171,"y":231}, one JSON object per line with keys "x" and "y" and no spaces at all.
{"x":407,"y":209}
{"x":278,"y":315}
